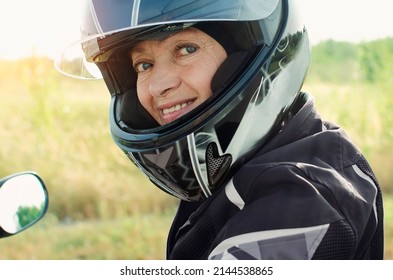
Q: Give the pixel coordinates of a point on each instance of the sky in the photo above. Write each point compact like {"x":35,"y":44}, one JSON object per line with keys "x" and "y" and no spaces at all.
{"x":46,"y":26}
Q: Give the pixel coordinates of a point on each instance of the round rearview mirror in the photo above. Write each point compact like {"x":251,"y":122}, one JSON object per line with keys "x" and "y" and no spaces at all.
{"x":23,"y":201}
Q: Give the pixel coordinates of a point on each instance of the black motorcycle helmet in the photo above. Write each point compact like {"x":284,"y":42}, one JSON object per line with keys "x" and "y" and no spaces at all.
{"x":253,"y":90}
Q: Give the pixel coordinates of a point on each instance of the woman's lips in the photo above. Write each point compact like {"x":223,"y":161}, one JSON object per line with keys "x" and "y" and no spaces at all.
{"x":175,"y":108}
{"x":172,"y":113}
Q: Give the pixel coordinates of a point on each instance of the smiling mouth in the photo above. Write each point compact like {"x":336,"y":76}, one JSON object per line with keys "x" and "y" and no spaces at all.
{"x":175,"y":108}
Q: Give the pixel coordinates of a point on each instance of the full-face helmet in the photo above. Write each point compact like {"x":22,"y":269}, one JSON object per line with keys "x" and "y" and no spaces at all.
{"x":253,"y":90}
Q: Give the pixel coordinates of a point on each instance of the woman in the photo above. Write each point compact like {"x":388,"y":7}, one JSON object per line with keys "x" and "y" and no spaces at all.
{"x":207,"y":102}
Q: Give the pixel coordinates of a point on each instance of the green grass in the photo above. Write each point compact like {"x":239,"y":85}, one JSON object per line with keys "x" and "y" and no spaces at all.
{"x":136,"y":237}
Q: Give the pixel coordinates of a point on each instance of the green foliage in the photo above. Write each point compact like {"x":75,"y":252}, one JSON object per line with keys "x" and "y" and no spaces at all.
{"x":334,"y":62}
{"x":375,"y":61}
{"x":27,"y":215}
{"x":344,"y":62}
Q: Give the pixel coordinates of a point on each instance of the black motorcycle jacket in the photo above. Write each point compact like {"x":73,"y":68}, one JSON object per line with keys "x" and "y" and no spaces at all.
{"x":308,"y":194}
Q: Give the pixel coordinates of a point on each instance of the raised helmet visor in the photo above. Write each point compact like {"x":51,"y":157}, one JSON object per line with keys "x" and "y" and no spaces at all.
{"x":102,"y":18}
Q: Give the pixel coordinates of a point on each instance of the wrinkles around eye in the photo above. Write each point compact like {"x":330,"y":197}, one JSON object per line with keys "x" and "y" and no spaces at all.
{"x":181,"y":50}
{"x":187,"y":49}
{"x":142,"y":66}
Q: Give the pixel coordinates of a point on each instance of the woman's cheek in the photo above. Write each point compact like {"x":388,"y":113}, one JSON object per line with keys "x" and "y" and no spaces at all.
{"x":144,"y":97}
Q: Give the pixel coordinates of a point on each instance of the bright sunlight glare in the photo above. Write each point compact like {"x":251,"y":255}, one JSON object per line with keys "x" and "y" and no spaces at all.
{"x":47,"y":26}
{"x":41,"y":27}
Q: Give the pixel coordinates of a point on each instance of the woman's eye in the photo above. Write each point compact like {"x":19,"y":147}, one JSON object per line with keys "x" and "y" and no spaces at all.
{"x":188,"y":49}
{"x":142,"y":66}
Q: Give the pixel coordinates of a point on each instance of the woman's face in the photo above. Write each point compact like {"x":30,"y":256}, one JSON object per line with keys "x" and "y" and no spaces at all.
{"x":174,"y":75}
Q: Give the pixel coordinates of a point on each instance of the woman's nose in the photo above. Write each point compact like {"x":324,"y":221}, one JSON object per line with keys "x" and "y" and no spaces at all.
{"x":164,"y":78}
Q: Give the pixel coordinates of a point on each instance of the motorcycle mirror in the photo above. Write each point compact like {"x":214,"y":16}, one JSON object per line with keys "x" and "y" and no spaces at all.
{"x":23,"y":202}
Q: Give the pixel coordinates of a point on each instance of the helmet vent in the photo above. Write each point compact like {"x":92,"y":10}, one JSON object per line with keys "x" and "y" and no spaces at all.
{"x":217,"y":166}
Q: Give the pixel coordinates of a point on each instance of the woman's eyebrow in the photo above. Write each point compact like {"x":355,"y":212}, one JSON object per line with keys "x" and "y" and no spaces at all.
{"x":137,"y":49}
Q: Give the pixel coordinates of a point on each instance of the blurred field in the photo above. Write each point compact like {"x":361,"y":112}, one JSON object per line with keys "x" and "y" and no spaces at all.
{"x":101,"y":207}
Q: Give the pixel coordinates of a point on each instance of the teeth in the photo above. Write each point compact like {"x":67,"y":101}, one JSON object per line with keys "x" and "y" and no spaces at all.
{"x":175,"y":108}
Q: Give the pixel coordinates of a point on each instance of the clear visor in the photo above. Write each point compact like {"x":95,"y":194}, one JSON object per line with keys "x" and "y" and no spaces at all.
{"x":104,"y":18}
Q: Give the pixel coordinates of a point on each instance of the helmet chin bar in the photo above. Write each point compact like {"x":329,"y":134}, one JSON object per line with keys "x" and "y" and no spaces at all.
{"x":217,"y":165}
{"x":216,"y":168}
